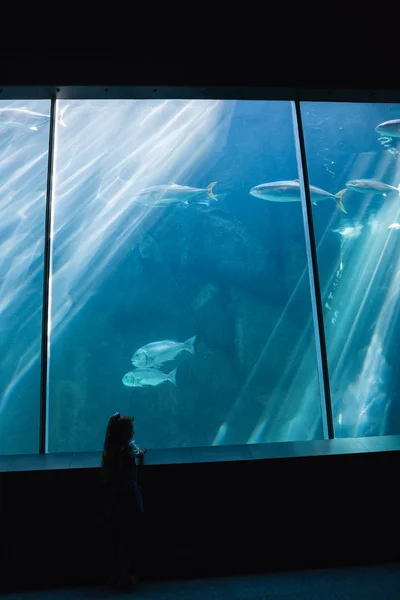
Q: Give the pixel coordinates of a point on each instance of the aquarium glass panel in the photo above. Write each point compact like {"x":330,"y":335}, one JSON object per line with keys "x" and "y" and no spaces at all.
{"x":178,"y":296}
{"x":24,"y":139}
{"x":355,"y":147}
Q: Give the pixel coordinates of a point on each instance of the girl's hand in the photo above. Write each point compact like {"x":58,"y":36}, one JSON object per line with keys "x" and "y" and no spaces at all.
{"x":142,"y":451}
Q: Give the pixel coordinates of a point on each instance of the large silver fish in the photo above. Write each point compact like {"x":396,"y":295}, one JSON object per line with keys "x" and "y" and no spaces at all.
{"x":148,"y":376}
{"x":289,"y":191}
{"x":22,"y":117}
{"x":172,"y":193}
{"x":371,"y":186}
{"x":157,"y":353}
{"x":389,"y":128}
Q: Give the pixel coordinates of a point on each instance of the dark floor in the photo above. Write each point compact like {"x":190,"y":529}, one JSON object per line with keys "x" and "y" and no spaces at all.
{"x":364,"y":583}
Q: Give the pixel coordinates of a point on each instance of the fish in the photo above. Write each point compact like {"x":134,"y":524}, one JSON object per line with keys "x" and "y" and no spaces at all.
{"x":389,"y":128}
{"x":172,"y":193}
{"x":349,"y":232}
{"x":394,"y":226}
{"x":377,"y":381}
{"x":393,"y":151}
{"x":157,"y":353}
{"x":148,"y":376}
{"x":384,"y":140}
{"x":23,"y":117}
{"x":289,"y":191}
{"x":371,"y":186}
{"x":375,"y":225}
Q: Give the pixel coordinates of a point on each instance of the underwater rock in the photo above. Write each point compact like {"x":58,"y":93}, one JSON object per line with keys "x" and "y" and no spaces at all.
{"x":152,"y":305}
{"x":276,"y":364}
{"x":148,"y":249}
{"x":190,"y":413}
{"x":215,"y":242}
{"x":208,"y":304}
{"x":261,"y":335}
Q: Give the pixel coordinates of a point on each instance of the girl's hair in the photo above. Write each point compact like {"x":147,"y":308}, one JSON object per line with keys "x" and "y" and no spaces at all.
{"x":118,"y":436}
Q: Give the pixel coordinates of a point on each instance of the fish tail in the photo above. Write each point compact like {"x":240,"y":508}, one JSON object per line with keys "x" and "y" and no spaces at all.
{"x":339,"y":202}
{"x":209,"y":189}
{"x":189,"y":345}
{"x":172,"y":376}
{"x":61,"y":116}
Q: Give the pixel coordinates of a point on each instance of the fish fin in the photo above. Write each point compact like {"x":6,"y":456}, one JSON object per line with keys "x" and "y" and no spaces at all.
{"x":172,"y":376}
{"x":189,"y":345}
{"x":314,"y":203}
{"x":33,"y":128}
{"x":209,"y":190}
{"x":339,"y":202}
{"x":172,"y":183}
{"x":298,"y":180}
{"x":398,"y":188}
{"x":61,"y":116}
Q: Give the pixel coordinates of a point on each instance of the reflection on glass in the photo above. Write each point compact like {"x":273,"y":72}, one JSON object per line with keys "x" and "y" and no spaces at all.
{"x":24,"y":138}
{"x":355,"y":147}
{"x":179,"y":293}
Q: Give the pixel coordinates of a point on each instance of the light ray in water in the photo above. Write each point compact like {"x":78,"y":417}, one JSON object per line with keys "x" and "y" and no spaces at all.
{"x":303,"y":387}
{"x":23,"y":170}
{"x":269,"y":427}
{"x":224,"y":428}
{"x":362,"y":405}
{"x":355,"y":321}
{"x":167,"y":134}
{"x":89,"y":231}
{"x":30,"y":357}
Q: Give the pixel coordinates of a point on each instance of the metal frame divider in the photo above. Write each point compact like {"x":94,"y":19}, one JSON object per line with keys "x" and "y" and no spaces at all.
{"x":316,"y":300}
{"x":48,"y":228}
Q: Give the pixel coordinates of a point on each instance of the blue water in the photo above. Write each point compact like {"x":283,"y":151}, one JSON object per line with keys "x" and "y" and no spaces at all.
{"x":233,"y":272}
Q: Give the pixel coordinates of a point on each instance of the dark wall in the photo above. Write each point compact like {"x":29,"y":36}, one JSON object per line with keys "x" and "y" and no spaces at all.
{"x":205,"y":519}
{"x":350,"y":65}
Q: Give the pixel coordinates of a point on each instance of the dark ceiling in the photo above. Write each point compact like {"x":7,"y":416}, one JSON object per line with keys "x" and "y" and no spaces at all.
{"x":345,"y":66}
